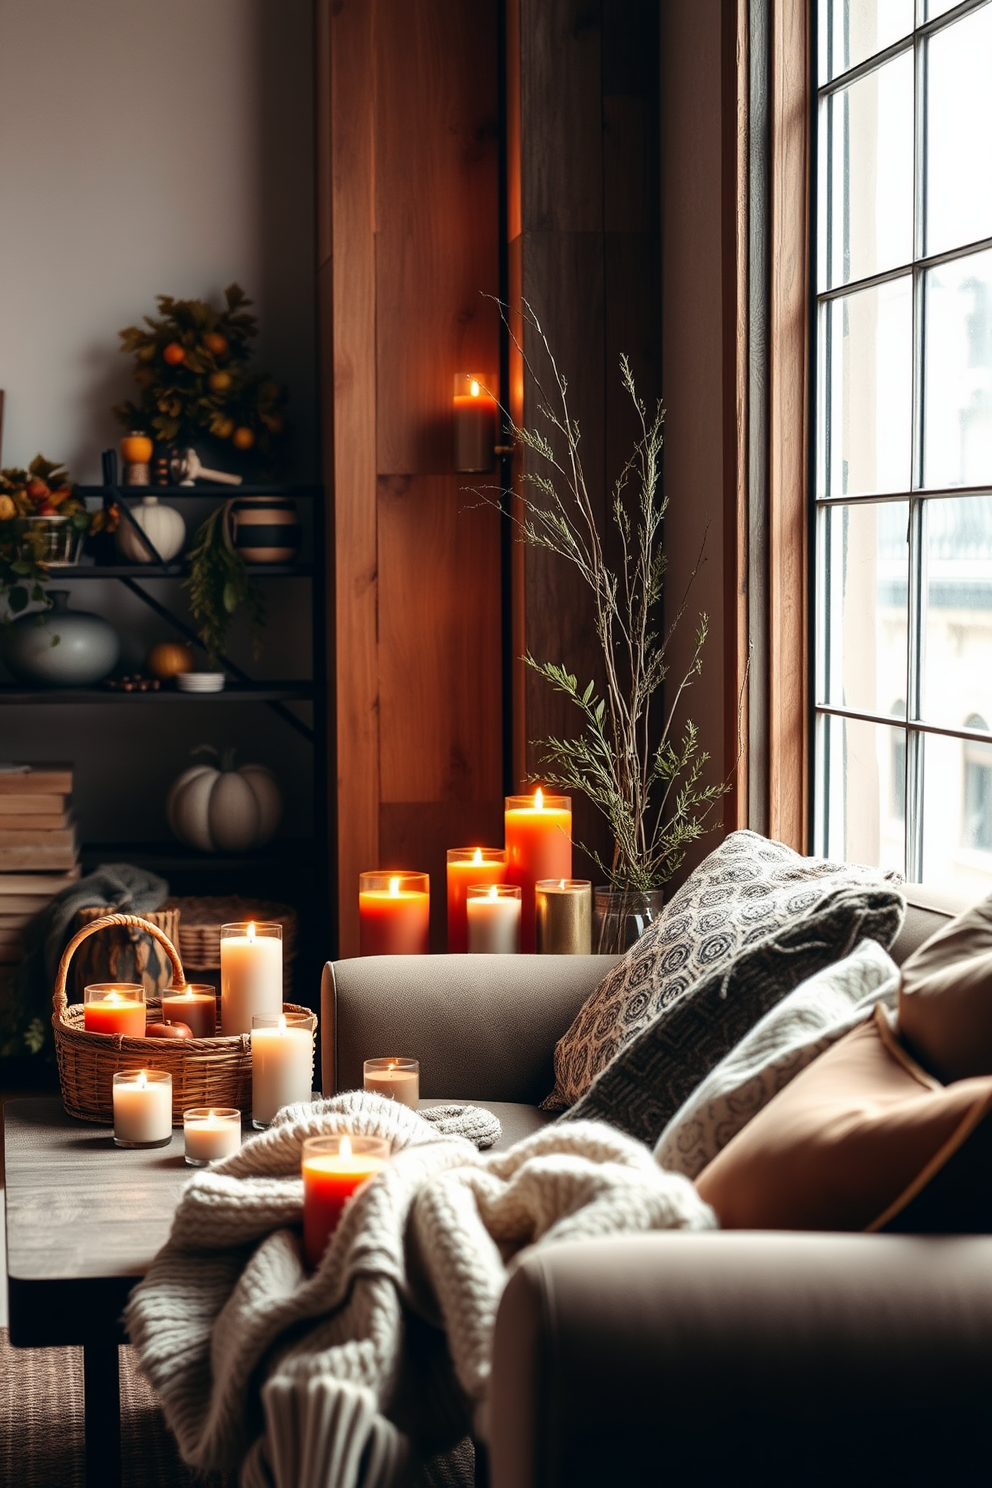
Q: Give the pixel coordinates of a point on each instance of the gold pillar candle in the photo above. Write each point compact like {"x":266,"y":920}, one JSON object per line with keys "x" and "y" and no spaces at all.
{"x":563,"y":916}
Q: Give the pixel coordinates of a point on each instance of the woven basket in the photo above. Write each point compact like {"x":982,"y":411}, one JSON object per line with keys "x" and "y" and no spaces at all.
{"x":205,"y":1072}
{"x":126,"y":955}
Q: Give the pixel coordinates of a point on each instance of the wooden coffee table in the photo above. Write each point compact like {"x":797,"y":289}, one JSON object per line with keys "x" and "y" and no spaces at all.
{"x":84,"y":1221}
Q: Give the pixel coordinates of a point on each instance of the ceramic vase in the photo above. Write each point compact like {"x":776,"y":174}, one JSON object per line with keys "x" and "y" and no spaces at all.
{"x":265,"y":529}
{"x":60,"y":647}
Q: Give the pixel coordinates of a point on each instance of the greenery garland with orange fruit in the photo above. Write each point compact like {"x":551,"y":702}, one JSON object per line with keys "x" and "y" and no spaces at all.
{"x":43,"y":490}
{"x":192,"y":367}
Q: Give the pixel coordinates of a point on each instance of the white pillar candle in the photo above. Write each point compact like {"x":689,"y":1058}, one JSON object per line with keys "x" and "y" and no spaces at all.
{"x":281,"y":1065}
{"x":493,"y":916}
{"x":211,"y":1132}
{"x":395,"y":1077}
{"x":142,"y":1108}
{"x":250,"y":975}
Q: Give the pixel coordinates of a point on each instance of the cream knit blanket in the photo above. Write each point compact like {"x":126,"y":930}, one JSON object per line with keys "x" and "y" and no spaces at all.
{"x":328,"y":1380}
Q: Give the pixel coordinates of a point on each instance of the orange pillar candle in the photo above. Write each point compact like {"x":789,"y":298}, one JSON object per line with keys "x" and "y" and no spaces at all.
{"x":196,"y":1006}
{"x":333,"y":1168}
{"x":114,"y":1007}
{"x":475,"y":420}
{"x":469,"y":865}
{"x":538,"y":845}
{"x":394,"y":914}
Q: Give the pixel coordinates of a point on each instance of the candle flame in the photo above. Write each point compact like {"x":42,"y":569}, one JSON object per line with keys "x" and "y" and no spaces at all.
{"x":492,"y":892}
{"x":394,"y":886}
{"x":562,"y":884}
{"x":189,"y":990}
{"x":251,"y":930}
{"x":539,"y":799}
{"x":474,"y":388}
{"x":345,"y":1149}
{"x":282,"y":1022}
{"x":113,"y":997}
{"x":141,"y":1081}
{"x":478,"y":855}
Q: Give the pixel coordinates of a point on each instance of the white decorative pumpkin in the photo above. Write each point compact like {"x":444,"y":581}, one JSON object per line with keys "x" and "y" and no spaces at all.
{"x":165,"y":528}
{"x":217,"y":808}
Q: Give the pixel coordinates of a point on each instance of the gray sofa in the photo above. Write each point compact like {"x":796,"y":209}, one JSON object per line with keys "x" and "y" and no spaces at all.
{"x":771,"y":1358}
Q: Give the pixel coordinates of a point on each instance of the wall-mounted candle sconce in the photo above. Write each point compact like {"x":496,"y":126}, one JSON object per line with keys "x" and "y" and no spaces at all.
{"x":475,"y":418}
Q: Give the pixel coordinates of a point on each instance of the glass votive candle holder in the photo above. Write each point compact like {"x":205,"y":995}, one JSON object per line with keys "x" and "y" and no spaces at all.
{"x":250,"y":974}
{"x":333,"y":1168}
{"x":394,"y":913}
{"x":493,"y":913}
{"x":563,"y":916}
{"x":396,"y":1077}
{"x":142,"y":1108}
{"x":114,"y":1007}
{"x":210,"y":1132}
{"x":469,"y":865}
{"x":281,"y":1064}
{"x":195,"y":1005}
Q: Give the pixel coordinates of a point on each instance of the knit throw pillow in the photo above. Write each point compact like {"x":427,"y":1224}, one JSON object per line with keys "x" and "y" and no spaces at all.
{"x":651,"y":1077}
{"x":746,"y":888}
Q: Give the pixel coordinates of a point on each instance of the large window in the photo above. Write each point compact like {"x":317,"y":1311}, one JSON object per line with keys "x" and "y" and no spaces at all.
{"x":903,"y":468}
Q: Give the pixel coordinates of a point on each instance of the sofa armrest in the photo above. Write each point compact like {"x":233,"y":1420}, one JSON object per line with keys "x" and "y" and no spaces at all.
{"x":743,"y":1358}
{"x":483,"y":1027}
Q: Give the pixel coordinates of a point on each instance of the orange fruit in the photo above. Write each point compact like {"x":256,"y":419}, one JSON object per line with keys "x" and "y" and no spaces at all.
{"x":243,"y":438}
{"x":174,"y":354}
{"x":215,"y":343}
{"x":224,"y":429}
{"x":219,"y":381}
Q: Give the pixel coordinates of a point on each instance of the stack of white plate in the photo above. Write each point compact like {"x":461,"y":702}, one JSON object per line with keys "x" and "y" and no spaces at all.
{"x":200,"y":681}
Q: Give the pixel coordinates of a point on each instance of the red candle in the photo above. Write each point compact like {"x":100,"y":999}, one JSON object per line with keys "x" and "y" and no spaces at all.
{"x":469,"y":865}
{"x":394,"y":911}
{"x":196,"y":1007}
{"x":538,"y":845}
{"x":333,"y":1168}
{"x":114,"y":1009}
{"x":475,"y":413}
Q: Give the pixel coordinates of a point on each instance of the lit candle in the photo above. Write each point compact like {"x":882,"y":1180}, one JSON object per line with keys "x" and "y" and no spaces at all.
{"x":493,"y":914}
{"x":196,"y":1007}
{"x":333,"y":1168}
{"x":538,"y":845}
{"x":250,"y":975}
{"x":395,"y":1077}
{"x":110,"y":1007}
{"x":142,"y":1108}
{"x":211,"y":1132}
{"x":394,"y":913}
{"x":563,"y":908}
{"x":475,"y":421}
{"x":469,"y":865}
{"x":281,"y":1064}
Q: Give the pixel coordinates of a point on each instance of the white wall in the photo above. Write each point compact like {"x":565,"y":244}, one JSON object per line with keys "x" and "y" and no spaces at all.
{"x":145,"y":149}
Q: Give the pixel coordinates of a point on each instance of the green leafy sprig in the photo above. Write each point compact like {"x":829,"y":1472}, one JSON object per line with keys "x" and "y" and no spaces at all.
{"x":219,"y":584}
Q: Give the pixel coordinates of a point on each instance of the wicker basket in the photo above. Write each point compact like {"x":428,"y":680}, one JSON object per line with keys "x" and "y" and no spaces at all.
{"x":126,"y":955}
{"x":205,"y":1072}
{"x":200,"y":919}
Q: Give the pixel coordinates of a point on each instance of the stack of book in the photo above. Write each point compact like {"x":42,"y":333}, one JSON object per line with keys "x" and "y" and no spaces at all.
{"x":39,"y":848}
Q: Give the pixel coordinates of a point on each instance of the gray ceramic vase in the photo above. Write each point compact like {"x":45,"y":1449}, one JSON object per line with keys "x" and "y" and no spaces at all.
{"x":60,"y":647}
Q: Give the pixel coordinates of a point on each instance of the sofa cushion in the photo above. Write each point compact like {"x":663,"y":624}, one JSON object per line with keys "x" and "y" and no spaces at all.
{"x":650,"y":1078}
{"x":853,"y":1140}
{"x":742,"y":892}
{"x":945,"y":999}
{"x":805,"y":1023}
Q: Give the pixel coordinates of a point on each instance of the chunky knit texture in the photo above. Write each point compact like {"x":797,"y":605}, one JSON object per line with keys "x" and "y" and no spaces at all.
{"x":337,"y":1379}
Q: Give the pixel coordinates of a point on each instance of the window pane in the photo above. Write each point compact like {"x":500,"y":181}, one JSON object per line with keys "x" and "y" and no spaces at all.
{"x":851,"y":30}
{"x":959,"y":133}
{"x":862,"y":585}
{"x":958,"y":373}
{"x":868,"y":222}
{"x":957,"y":660}
{"x":866,"y":385}
{"x":953,"y":854}
{"x":860,"y":811}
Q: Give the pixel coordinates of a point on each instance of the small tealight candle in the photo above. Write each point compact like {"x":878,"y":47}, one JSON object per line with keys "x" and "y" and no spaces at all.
{"x":196,"y":1006}
{"x":564,"y":916}
{"x":469,"y":865}
{"x":250,"y":975}
{"x":493,"y":914}
{"x":398,"y":1078}
{"x":211,"y":1132}
{"x":281,"y":1064}
{"x":333,"y":1168}
{"x":114,"y":1007}
{"x":394,"y":914}
{"x":142,"y":1108}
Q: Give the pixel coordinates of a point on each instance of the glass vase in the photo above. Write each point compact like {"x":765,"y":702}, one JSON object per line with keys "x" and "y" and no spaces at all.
{"x":621,"y":916}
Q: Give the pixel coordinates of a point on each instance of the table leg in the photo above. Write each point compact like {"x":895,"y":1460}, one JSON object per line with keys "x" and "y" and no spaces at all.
{"x":102,"y":1397}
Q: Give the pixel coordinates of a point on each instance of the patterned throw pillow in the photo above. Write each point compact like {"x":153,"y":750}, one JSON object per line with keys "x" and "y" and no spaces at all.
{"x":746,"y":888}
{"x":649,"y":1079}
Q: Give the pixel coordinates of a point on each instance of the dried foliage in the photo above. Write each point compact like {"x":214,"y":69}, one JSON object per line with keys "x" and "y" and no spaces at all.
{"x":219,"y":584}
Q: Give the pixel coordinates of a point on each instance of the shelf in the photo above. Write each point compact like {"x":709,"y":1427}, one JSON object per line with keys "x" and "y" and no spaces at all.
{"x":234,"y":692}
{"x":69,"y":571}
{"x":174,"y":857}
{"x":206,"y":489}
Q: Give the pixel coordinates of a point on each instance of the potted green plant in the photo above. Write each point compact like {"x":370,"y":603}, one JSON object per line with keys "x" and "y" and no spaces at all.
{"x":641,"y":765}
{"x":42,"y":522}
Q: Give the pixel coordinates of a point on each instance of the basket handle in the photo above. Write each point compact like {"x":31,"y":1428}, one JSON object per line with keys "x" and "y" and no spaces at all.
{"x":59,"y":999}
